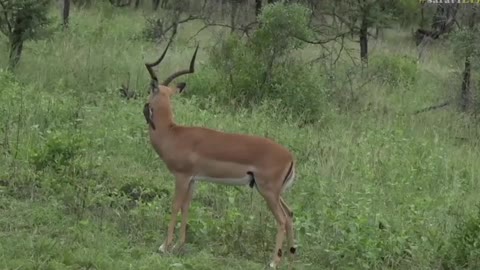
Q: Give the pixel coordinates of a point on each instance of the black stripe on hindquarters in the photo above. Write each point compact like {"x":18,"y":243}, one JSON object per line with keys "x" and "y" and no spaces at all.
{"x":288,"y":173}
{"x":252,"y":179}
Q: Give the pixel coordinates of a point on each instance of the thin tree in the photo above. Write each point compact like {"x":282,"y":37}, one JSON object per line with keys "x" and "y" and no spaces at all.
{"x":470,"y":53}
{"x":22,"y":20}
{"x":155,"y":4}
{"x":358,"y":16}
{"x":66,"y":13}
{"x":258,"y":7}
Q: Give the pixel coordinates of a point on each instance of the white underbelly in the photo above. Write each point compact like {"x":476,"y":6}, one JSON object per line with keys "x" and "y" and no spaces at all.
{"x":226,"y":181}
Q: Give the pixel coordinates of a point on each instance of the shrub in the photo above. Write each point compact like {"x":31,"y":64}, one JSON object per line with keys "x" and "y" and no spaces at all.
{"x":262,"y":68}
{"x":465,"y":243}
{"x":395,"y":70}
{"x":21,"y":21}
{"x":59,"y":151}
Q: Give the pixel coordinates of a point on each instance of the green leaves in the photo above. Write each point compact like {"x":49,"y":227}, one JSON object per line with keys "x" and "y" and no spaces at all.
{"x":395,"y":70}
{"x":280,"y":24}
{"x":264,"y":68}
{"x":466,"y":42}
{"x":25,"y":17}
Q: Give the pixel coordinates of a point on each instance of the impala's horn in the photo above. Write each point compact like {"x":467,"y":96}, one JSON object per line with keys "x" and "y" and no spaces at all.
{"x":150,"y":66}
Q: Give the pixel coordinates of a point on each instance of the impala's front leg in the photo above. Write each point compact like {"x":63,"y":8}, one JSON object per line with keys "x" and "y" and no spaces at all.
{"x":185,"y":208}
{"x":181,"y":189}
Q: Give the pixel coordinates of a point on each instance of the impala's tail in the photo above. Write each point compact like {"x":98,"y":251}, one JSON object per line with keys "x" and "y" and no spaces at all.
{"x":287,"y":182}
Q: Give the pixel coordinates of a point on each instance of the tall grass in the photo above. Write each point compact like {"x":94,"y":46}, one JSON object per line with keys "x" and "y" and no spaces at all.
{"x":80,"y":186}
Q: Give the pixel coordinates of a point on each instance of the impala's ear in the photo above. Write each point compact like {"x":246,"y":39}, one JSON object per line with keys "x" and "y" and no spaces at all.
{"x":154,"y":86}
{"x":181,"y":87}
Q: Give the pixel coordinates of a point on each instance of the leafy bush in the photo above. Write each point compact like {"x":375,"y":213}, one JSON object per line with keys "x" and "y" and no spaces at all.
{"x":395,"y":70}
{"x":465,"y":243}
{"x":21,"y":21}
{"x":59,"y":151}
{"x":262,"y":68}
{"x":407,"y":12}
{"x":280,"y":24}
{"x":465,"y":43}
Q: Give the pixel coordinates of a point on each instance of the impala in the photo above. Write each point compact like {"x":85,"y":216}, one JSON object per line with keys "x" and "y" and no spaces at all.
{"x":200,"y":154}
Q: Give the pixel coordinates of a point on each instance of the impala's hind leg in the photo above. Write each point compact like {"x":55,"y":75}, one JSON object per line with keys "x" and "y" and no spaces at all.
{"x":289,"y":226}
{"x":273,"y":202}
{"x":287,"y":209}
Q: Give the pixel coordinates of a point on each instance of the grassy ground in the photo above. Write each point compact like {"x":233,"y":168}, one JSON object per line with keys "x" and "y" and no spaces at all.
{"x":377,"y":187}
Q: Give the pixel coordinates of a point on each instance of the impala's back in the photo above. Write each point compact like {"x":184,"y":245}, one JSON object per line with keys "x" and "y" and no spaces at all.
{"x":230,"y":158}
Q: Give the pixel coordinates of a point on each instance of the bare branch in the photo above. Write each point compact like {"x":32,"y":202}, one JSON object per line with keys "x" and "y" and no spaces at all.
{"x":191,"y":69}
{"x":149,"y":66}
{"x":334,"y":38}
{"x":350,"y":25}
{"x":340,"y":51}
{"x":243,"y":28}
{"x":158,"y":28}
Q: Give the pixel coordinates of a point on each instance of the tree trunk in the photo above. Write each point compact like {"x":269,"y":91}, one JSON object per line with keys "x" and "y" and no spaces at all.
{"x":443,"y":22}
{"x":16,"y":42}
{"x":270,"y":1}
{"x":363,"y":33}
{"x":66,"y":13}
{"x":165,"y":3}
{"x":444,"y":18}
{"x":465,"y":94}
{"x":438,"y":17}
{"x":378,"y":29}
{"x":233,"y":15}
{"x":467,"y":71}
{"x":137,"y":4}
{"x":16,"y":48}
{"x":423,"y":21}
{"x":156,"y":4}
{"x":258,"y":7}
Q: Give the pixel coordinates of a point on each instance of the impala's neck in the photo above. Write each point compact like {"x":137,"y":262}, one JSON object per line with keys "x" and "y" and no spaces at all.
{"x":161,"y":136}
{"x":163,"y":117}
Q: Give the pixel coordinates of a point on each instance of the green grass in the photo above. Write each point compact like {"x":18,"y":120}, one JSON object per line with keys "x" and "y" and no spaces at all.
{"x":69,"y":143}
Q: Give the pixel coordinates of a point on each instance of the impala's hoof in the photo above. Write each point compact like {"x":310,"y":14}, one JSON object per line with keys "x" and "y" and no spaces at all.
{"x":273,"y":265}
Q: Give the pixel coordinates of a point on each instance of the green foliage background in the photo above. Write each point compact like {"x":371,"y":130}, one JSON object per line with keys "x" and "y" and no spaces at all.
{"x":377,"y":187}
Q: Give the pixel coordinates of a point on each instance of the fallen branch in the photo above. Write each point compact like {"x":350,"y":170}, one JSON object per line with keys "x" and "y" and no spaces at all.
{"x":434,"y":107}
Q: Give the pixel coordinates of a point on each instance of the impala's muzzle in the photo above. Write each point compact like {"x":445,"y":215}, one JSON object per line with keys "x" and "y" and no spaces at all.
{"x":148,"y":114}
